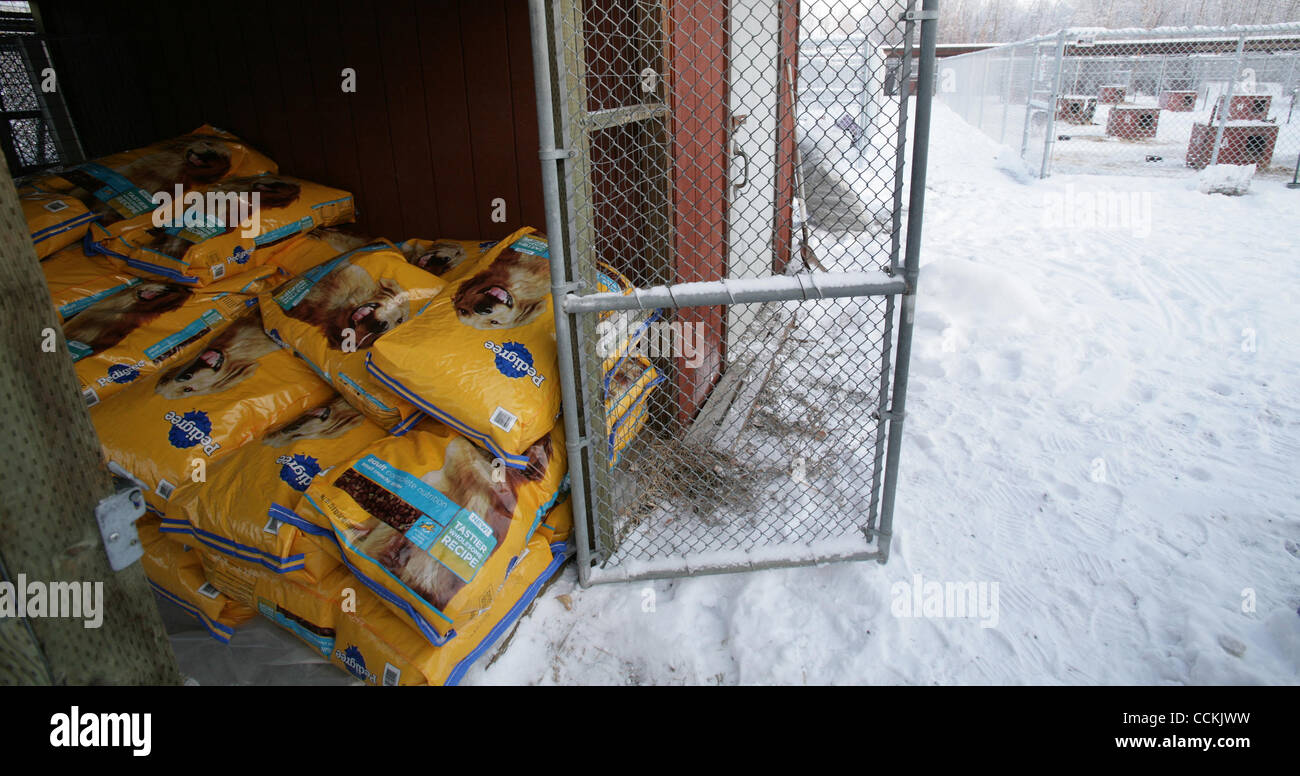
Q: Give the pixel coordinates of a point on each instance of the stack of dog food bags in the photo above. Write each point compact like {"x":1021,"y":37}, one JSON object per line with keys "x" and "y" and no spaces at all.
{"x":219,"y":234}
{"x":231,"y":366}
{"x":60,"y":207}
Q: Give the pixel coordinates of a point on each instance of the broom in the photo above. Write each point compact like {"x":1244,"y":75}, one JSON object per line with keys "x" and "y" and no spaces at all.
{"x":806,"y":254}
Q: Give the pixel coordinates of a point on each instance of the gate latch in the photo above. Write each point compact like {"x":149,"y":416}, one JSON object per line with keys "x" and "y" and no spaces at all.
{"x":918,"y":16}
{"x":116,"y":515}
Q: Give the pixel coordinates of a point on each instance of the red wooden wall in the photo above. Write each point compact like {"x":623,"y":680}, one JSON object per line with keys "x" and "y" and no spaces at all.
{"x":442,"y":123}
{"x":699,"y":101}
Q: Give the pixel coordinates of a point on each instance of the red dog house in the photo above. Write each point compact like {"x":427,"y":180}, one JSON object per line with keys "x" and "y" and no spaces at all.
{"x":1075,"y":109}
{"x":1132,"y":123}
{"x":1244,"y":142}
{"x":1111,"y":94}
{"x":1244,"y":107}
{"x":1179,"y":101}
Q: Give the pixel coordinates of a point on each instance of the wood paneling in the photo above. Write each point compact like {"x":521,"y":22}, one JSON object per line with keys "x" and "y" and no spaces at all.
{"x":699,"y":103}
{"x":443,"y":120}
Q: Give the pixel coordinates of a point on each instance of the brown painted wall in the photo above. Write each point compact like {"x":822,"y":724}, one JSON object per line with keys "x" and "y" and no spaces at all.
{"x":443,"y":120}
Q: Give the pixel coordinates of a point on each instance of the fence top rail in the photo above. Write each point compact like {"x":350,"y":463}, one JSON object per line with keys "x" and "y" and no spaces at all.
{"x":1280,"y":31}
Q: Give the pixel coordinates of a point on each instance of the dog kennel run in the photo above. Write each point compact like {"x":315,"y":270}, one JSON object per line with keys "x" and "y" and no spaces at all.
{"x":761,"y":223}
{"x":1166,"y":99}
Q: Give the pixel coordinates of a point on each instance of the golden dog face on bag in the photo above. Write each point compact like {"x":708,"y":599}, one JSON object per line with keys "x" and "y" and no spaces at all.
{"x":348,"y":298}
{"x":107,"y":322}
{"x":227,"y":360}
{"x":510,"y":292}
{"x":328,"y":421}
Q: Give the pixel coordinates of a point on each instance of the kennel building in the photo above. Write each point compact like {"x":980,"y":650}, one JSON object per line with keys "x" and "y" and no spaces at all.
{"x":667,"y":140}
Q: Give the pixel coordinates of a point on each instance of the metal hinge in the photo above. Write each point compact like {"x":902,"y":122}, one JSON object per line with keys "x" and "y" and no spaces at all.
{"x":918,"y":16}
{"x":116,"y":515}
{"x":556,"y":154}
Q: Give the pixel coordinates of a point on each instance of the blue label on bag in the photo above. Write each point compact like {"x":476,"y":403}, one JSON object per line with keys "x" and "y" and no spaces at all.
{"x":197,"y":328}
{"x":72,"y":308}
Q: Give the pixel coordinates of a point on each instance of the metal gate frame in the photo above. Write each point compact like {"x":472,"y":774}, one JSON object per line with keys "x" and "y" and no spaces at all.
{"x":896,"y":284}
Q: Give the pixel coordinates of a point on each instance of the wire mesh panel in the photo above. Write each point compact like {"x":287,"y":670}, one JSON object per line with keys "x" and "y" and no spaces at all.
{"x":730,"y":214}
{"x":35,"y":130}
{"x":1162,"y":101}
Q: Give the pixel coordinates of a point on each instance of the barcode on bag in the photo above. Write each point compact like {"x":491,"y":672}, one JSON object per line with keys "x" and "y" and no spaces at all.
{"x":90,"y":396}
{"x":218,"y":271}
{"x":208,"y":590}
{"x":272,"y":526}
{"x":165,"y":489}
{"x":503,"y":419}
{"x":392,"y":675}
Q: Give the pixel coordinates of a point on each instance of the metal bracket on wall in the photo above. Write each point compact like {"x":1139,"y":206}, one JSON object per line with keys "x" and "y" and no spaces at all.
{"x":116,"y":515}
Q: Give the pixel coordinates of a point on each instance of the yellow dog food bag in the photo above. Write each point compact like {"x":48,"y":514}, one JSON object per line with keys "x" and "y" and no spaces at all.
{"x":481,"y":358}
{"x":439,"y":257}
{"x":299,"y":254}
{"x":429,"y":524}
{"x":237,"y":219}
{"x":626,"y":390}
{"x":619,"y":331}
{"x":165,"y":429}
{"x":557,"y":524}
{"x":78,"y":280}
{"x":334,"y":313}
{"x":448,"y":259}
{"x":151,"y":324}
{"x":55,"y":220}
{"x":306,"y":609}
{"x":245,"y":508}
{"x":176,"y":573}
{"x":379,"y":648}
{"x":60,"y":206}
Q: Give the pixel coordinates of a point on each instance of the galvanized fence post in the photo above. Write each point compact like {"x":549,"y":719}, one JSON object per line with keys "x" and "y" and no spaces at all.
{"x":551,"y":158}
{"x":911,"y":266}
{"x":1227,"y":102}
{"x":1052,"y":101}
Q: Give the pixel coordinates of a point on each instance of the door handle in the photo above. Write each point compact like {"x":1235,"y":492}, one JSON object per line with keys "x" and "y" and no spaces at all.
{"x":744,"y":179}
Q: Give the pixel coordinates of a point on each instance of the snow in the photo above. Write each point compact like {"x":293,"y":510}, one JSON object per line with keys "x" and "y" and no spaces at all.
{"x":1230,"y":179}
{"x":1102,"y":431}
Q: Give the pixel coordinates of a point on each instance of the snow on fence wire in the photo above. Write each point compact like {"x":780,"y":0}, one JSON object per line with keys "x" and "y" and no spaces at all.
{"x":1136,"y":101}
{"x":741,"y":169}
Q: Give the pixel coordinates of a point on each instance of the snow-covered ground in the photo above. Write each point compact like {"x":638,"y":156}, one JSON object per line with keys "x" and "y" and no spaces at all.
{"x":1104,"y":420}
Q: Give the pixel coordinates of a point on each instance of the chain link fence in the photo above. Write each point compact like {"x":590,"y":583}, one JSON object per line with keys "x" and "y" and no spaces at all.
{"x":1160,"y":101}
{"x":728,"y":198}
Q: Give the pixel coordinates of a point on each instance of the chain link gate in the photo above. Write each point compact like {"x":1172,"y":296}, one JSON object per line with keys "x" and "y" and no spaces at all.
{"x":724,"y":183}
